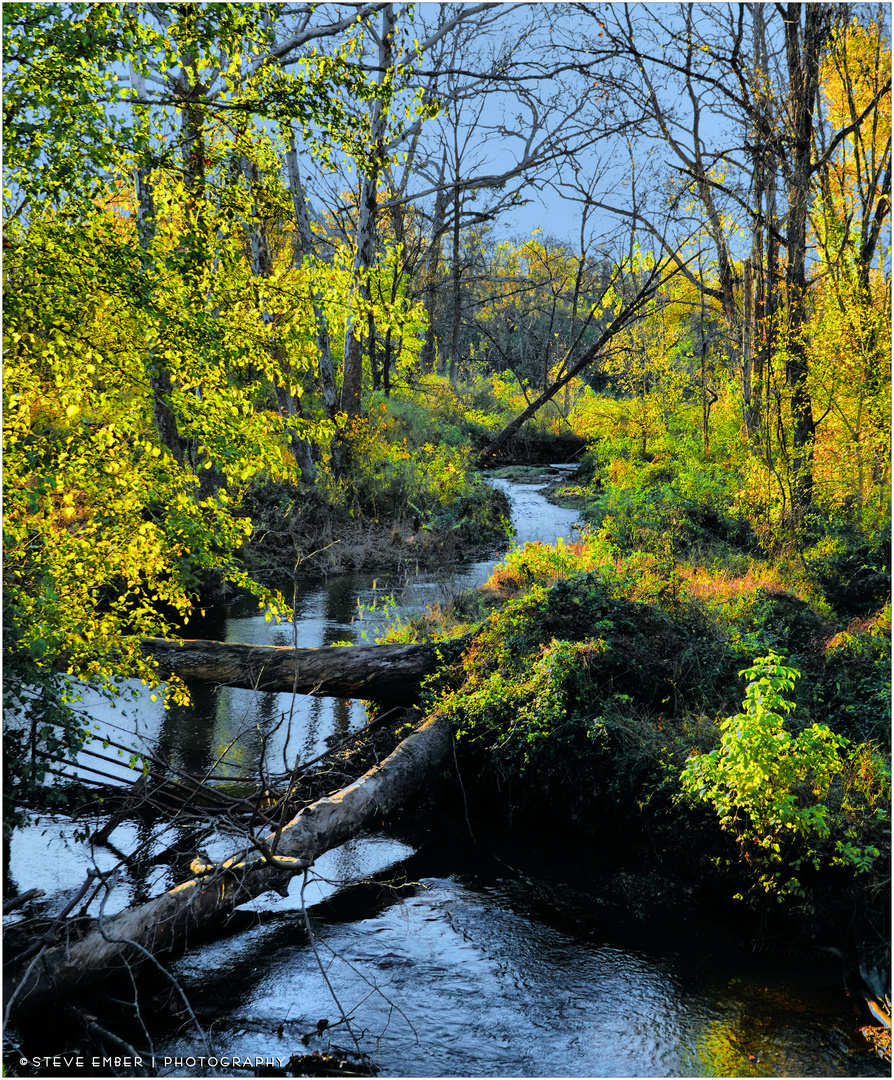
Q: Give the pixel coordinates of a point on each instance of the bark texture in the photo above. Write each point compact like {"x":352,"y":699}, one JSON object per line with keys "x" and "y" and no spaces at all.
{"x":165,"y":923}
{"x":388,"y":673}
{"x":303,"y":248}
{"x":352,"y":364}
{"x":803,"y":48}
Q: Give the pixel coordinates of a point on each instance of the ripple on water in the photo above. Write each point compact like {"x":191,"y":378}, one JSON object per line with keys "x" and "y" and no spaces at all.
{"x":450,"y":982}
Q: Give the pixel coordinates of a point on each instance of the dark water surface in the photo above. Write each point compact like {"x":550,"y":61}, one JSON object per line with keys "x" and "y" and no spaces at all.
{"x":501,"y":958}
{"x":498,"y":955}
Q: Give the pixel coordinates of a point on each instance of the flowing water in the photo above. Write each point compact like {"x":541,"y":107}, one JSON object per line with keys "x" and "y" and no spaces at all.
{"x":454,"y":955}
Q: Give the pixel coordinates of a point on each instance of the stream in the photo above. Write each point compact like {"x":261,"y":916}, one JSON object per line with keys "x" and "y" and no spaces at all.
{"x":493,"y":954}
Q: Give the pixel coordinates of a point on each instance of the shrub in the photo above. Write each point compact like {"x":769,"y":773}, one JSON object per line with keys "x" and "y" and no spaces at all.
{"x":394,"y":479}
{"x":545,"y":564}
{"x":852,"y":568}
{"x":553,"y":665}
{"x":648,"y":507}
{"x":769,"y":788}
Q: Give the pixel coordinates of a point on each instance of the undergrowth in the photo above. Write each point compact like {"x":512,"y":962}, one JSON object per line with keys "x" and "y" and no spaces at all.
{"x":589,"y":686}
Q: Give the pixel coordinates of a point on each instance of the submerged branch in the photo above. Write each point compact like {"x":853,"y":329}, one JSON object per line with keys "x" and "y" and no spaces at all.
{"x":165,"y":923}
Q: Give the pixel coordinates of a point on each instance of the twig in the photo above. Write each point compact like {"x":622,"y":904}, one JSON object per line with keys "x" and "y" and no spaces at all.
{"x":110,"y":882}
{"x":96,"y":1029}
{"x":374,"y":989}
{"x":462,"y":788}
{"x":372,"y":725}
{"x":316,"y":953}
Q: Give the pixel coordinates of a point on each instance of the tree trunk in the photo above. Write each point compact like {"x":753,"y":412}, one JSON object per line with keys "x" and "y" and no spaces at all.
{"x":803,"y":55}
{"x":758,"y":308}
{"x":304,"y":249}
{"x":387,"y":673}
{"x":189,"y":92}
{"x":262,"y":267}
{"x":371,"y":351}
{"x":456,"y":326}
{"x":386,"y":363}
{"x":352,"y":366}
{"x":166,"y":426}
{"x":165,"y":923}
{"x":427,"y":356}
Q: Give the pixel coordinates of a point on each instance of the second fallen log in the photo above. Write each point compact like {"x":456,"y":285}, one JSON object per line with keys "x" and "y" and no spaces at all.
{"x":383,"y":673}
{"x":168,"y":922}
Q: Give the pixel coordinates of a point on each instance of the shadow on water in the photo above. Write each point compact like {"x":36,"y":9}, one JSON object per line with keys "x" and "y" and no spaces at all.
{"x":511,"y":958}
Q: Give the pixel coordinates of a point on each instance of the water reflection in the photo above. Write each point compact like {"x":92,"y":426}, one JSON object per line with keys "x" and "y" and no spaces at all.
{"x":226,"y":730}
{"x":453,"y":979}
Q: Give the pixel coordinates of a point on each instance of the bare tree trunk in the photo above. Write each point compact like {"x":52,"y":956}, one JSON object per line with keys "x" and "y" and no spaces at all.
{"x":352,"y":367}
{"x":386,"y":363}
{"x":430,"y":289}
{"x":706,"y":405}
{"x":262,"y":267}
{"x":386,"y":354}
{"x":748,"y":342}
{"x":457,"y":292}
{"x":803,"y":54}
{"x":371,"y":351}
{"x":767,"y":313}
{"x":754,"y":313}
{"x":166,"y":923}
{"x":389,"y":673}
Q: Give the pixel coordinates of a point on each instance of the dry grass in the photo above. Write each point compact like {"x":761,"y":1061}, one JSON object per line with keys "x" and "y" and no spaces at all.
{"x":722,"y":586}
{"x":876,"y":625}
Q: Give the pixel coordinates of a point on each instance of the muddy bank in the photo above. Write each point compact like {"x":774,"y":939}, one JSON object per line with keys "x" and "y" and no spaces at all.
{"x":296,"y":532}
{"x":299,"y":531}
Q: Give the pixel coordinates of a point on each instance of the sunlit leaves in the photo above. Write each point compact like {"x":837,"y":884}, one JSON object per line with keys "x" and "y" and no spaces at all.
{"x":107,"y":538}
{"x":59,"y":137}
{"x":853,"y":73}
{"x":767,"y":786}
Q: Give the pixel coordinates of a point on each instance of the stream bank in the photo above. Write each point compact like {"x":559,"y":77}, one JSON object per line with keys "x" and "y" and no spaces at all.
{"x":496,"y":951}
{"x":318,"y":532}
{"x":299,"y":533}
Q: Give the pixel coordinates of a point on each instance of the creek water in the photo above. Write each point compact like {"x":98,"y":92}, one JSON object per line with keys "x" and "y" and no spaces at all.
{"x":454,"y":954}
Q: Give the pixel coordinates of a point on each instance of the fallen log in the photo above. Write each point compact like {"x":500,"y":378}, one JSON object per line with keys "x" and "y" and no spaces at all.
{"x":383,"y":673}
{"x":166,"y":922}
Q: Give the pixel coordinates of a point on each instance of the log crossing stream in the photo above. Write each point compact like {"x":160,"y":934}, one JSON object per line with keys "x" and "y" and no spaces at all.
{"x":493,"y":955}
